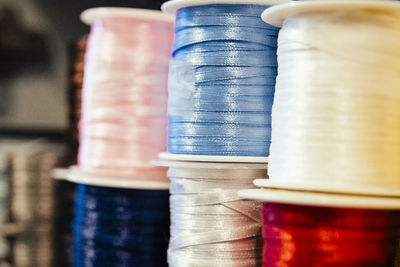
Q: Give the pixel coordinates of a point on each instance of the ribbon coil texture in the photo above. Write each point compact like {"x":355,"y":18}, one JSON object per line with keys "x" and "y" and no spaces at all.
{"x":123,"y":123}
{"x":210,"y":223}
{"x":298,"y":236}
{"x":120,"y":227}
{"x":336,"y":113}
{"x":222,"y":81}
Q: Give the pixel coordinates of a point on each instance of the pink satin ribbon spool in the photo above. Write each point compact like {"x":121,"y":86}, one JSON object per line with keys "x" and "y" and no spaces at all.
{"x":124,"y":101}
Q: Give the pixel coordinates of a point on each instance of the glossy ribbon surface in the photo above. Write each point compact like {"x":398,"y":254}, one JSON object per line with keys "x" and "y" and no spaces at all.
{"x":221,"y":81}
{"x":336,"y":113}
{"x":124,"y":124}
{"x":210,"y":224}
{"x":120,"y":227}
{"x":311,"y":236}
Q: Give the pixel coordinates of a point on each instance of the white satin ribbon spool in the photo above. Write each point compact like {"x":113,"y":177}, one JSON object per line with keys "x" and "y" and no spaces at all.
{"x":336,"y":115}
{"x":210,"y":223}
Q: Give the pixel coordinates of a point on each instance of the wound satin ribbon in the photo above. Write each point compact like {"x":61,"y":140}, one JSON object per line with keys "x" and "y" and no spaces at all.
{"x":123,"y":124}
{"x":221,"y":81}
{"x":210,"y":223}
{"x":120,"y":227}
{"x":336,"y":113}
{"x":297,"y":236}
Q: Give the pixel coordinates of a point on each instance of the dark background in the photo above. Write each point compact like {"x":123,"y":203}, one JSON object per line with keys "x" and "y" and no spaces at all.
{"x":65,"y":14}
{"x":34,"y":39}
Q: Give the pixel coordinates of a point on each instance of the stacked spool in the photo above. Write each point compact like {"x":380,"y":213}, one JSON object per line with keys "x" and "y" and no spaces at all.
{"x":4,"y":208}
{"x":32,"y":216}
{"x":122,"y":211}
{"x":221,"y":88}
{"x":333,"y":198}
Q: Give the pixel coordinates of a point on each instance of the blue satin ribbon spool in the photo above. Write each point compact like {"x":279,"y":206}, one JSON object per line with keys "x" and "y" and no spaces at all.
{"x":222,"y":81}
{"x":121,"y":227}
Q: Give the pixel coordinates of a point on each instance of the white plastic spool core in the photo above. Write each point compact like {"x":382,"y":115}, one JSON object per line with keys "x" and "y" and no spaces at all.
{"x":60,"y":173}
{"x":209,"y":165}
{"x":171,"y":7}
{"x":316,"y":199}
{"x":79,"y":176}
{"x":328,"y":187}
{"x":201,"y":158}
{"x":276,"y":15}
{"x":90,"y":15}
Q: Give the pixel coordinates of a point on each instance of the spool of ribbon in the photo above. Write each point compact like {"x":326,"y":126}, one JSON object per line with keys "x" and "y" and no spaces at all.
{"x":77,"y":53}
{"x":4,"y":204}
{"x":120,"y":227}
{"x":335,"y":119}
{"x":221,"y":81}
{"x":296,"y":236}
{"x":39,"y":224}
{"x":123,"y":124}
{"x":210,"y":223}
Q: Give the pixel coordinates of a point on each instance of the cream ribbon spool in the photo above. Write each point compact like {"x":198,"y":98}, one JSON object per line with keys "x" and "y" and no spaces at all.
{"x":336,"y":115}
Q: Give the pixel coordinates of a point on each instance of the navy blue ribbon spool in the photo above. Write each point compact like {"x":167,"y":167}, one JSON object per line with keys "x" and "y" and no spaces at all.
{"x":222,"y":81}
{"x":121,"y":227}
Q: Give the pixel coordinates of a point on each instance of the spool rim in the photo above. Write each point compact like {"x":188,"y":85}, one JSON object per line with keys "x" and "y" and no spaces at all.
{"x":171,"y":7}
{"x":201,"y":165}
{"x":202,"y":158}
{"x":276,"y":15}
{"x":90,"y":15}
{"x":315,"y":199}
{"x":328,"y":188}
{"x":60,"y":173}
{"x":79,"y":176}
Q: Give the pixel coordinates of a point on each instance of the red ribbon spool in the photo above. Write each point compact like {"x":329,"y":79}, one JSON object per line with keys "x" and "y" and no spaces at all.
{"x":299,"y":236}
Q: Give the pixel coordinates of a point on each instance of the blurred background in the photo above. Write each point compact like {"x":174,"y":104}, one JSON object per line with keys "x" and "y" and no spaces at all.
{"x":42,"y":46}
{"x":34,"y":37}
